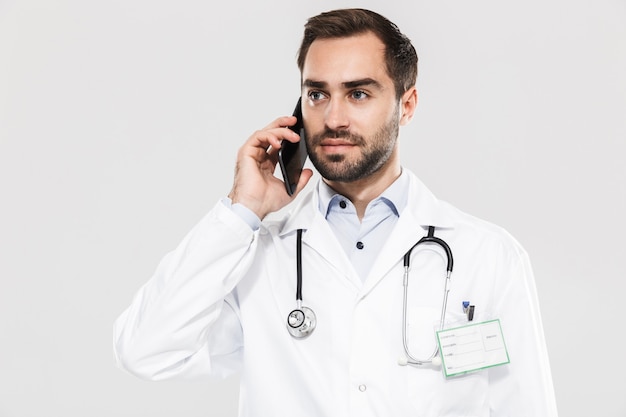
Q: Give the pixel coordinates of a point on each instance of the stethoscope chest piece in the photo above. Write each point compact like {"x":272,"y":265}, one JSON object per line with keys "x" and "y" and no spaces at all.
{"x":301,"y":322}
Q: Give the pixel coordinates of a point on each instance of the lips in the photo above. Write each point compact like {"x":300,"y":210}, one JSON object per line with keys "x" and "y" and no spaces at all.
{"x":336,"y":142}
{"x":336,"y":146}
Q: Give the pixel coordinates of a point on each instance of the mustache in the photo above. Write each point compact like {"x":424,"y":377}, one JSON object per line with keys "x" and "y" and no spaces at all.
{"x":328,"y":133}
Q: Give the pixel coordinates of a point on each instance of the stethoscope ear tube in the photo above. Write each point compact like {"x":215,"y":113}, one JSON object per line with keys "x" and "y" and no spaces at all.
{"x":431,"y":238}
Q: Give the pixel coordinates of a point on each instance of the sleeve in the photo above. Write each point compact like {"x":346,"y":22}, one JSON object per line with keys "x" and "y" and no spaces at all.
{"x":523,"y":387}
{"x":184,"y":322}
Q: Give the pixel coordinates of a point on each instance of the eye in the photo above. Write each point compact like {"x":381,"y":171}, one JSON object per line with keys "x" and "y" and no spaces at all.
{"x":316,"y":95}
{"x":359,"y":95}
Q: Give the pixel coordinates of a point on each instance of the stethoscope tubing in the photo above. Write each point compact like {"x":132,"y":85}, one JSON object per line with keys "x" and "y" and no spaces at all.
{"x":299,"y":266}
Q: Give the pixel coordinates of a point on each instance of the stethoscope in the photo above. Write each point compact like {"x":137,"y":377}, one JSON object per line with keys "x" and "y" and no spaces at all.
{"x":302,"y":321}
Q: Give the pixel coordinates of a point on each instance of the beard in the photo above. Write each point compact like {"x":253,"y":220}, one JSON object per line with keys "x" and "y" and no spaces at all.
{"x":375,"y":152}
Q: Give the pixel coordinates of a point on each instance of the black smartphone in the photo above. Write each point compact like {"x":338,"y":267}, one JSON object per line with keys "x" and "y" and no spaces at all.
{"x":291,"y":156}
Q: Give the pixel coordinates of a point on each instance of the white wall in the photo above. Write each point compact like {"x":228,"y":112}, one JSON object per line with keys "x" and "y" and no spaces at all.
{"x":119,"y":123}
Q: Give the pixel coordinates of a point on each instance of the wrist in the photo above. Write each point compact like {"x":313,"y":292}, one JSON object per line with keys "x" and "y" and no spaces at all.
{"x":249,"y":207}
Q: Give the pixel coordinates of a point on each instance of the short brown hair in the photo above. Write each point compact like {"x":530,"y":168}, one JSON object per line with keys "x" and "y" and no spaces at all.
{"x":400,"y":55}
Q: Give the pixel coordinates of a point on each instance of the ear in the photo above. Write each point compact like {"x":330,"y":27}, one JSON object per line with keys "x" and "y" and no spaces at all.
{"x":408,"y":104}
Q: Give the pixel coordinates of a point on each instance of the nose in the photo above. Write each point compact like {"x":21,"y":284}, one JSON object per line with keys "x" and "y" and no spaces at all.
{"x":336,"y":117}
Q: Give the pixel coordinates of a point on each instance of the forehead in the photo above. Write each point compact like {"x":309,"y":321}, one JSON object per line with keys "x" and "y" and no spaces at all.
{"x":339,"y":60}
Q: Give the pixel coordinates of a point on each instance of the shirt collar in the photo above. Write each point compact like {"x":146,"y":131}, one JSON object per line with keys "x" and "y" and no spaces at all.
{"x":395,"y":196}
{"x":419,"y":206}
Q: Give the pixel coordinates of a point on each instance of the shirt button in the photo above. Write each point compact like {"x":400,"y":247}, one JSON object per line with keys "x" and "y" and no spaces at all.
{"x":360,"y":245}
{"x":343,"y":204}
{"x":362,"y":387}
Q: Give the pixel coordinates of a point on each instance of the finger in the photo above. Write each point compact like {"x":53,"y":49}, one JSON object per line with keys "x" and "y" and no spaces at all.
{"x":284,"y":133}
{"x":282,"y":122}
{"x":264,"y":139}
{"x":271,"y":139}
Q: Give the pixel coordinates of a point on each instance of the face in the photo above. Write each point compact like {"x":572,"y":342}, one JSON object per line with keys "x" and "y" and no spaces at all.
{"x":351,"y":112}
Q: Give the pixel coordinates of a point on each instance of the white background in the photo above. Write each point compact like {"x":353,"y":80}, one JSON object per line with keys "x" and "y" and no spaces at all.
{"x":119,"y":124}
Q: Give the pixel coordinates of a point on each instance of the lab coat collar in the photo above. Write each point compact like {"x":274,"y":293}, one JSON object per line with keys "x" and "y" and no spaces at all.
{"x":424,"y":208}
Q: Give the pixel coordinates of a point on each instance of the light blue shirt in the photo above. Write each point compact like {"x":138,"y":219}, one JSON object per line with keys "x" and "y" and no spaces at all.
{"x":363,"y":240}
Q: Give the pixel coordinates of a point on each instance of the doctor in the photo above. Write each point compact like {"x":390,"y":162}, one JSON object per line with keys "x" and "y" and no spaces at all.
{"x":219,"y":302}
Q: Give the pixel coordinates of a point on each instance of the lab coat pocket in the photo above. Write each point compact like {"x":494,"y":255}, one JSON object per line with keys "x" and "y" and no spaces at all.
{"x":431,"y":393}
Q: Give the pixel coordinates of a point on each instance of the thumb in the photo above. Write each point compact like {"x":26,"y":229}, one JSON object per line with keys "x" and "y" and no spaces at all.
{"x":305,"y":176}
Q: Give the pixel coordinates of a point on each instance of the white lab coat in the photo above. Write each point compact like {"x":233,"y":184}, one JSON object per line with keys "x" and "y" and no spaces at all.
{"x":219,"y":303}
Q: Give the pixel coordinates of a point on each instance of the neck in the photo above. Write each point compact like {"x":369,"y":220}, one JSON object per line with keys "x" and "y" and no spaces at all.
{"x":363,"y":191}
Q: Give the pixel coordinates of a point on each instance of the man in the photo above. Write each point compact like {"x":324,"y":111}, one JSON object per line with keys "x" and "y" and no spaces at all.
{"x":220,"y":302}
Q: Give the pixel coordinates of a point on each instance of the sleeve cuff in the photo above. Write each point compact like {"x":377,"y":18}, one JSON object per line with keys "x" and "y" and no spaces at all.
{"x":244,"y":213}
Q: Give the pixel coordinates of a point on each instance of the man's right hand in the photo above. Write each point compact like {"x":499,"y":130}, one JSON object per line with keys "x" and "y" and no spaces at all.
{"x":255,"y":185}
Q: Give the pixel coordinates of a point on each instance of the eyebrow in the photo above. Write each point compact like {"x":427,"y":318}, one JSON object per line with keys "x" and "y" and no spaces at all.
{"x":364,"y":82}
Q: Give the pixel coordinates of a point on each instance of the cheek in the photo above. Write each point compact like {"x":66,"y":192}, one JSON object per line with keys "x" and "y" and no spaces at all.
{"x":379,"y":113}
{"x":371,"y":122}
{"x":313,"y":121}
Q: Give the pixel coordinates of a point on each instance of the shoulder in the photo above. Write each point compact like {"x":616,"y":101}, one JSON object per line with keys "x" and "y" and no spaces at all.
{"x":458,"y":224}
{"x":482,"y":233}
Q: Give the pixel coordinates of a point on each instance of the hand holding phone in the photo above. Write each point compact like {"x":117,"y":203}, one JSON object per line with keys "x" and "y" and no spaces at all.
{"x":292,"y":156}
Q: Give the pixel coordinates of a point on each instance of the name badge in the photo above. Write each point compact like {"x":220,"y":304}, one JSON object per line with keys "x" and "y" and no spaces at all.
{"x":472,"y":347}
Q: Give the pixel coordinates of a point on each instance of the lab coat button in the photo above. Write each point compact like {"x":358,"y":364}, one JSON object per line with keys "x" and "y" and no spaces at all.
{"x":362,"y":387}
{"x":360,"y":245}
